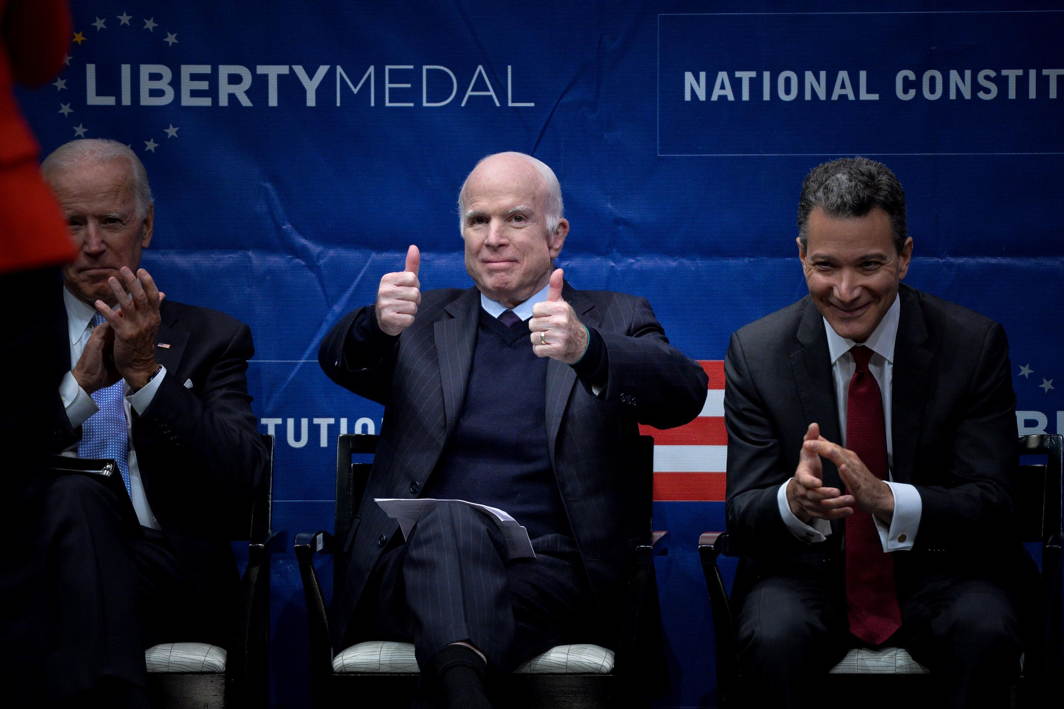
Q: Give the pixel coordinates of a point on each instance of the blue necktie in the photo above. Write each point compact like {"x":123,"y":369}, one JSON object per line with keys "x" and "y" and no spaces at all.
{"x":104,"y":434}
{"x":509,"y":318}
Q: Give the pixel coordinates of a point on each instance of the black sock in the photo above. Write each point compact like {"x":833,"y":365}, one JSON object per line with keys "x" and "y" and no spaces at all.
{"x":460,"y":674}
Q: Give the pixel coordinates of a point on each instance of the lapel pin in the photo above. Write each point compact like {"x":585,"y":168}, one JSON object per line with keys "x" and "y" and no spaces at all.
{"x":163,"y":345}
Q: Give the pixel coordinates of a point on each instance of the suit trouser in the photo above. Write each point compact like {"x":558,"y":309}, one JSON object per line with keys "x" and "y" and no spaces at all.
{"x":92,"y":589}
{"x":452,"y":581}
{"x":792,"y":629}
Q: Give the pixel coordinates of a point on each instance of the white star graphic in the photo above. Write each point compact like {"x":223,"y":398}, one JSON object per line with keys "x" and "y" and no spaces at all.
{"x":79,"y":130}
{"x":124,"y":18}
{"x":1025,"y":371}
{"x":66,"y":60}
{"x":65,"y":109}
{"x":100,"y":24}
{"x":150,"y":24}
{"x":1046,"y":385}
{"x":171,"y":38}
{"x":171,"y":131}
{"x":150,"y":145}
{"x":59,"y":84}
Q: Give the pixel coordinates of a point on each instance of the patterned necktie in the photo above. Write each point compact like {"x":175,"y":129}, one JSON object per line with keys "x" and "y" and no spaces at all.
{"x":104,"y":434}
{"x":509,"y":318}
{"x":870,"y":591}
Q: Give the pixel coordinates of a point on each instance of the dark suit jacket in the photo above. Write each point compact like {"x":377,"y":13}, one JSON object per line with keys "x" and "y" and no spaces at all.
{"x":954,"y":430}
{"x":421,"y":377}
{"x":198,"y":448}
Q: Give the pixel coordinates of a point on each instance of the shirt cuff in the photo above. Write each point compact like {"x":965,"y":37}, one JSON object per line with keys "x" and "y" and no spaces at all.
{"x":908,"y":507}
{"x":78,"y":404}
{"x":818,"y":531}
{"x":142,"y":398}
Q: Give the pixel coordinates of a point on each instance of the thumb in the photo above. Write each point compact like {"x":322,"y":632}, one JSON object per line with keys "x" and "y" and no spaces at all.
{"x":557,"y":279}
{"x":813,"y":432}
{"x":413,"y":259}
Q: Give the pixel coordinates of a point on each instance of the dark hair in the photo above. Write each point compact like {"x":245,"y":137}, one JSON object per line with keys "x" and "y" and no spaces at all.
{"x":852,"y":187}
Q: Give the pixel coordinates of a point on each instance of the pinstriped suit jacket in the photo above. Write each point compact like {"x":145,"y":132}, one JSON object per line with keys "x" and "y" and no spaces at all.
{"x":421,"y":378}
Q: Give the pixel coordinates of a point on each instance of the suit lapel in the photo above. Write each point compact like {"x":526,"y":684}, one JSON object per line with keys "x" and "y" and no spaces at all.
{"x":912,"y":384}
{"x":560,"y":376}
{"x":455,"y":337}
{"x":811,"y":366}
{"x":170,"y":341}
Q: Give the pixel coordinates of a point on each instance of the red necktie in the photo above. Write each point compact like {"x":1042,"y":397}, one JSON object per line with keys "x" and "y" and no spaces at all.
{"x":870,"y":591}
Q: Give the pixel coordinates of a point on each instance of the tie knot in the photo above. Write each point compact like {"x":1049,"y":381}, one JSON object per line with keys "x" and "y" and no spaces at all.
{"x":861,"y":356}
{"x":509,"y":318}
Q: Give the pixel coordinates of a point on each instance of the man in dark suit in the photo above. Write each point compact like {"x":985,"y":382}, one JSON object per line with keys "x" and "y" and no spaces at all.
{"x":522,"y":393}
{"x":865,"y":544}
{"x":160,"y":387}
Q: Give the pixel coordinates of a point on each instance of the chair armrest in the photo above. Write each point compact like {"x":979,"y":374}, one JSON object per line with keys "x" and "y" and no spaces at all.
{"x":321,"y":651}
{"x":708,"y":539}
{"x":638,"y":637}
{"x":246,"y":664}
{"x":1053,"y":578}
{"x":654,"y":546}
{"x":710,"y":546}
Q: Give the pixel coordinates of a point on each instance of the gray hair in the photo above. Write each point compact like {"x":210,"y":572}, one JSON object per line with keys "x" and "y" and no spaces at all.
{"x":555,"y":206}
{"x":100,"y":150}
{"x":852,"y":187}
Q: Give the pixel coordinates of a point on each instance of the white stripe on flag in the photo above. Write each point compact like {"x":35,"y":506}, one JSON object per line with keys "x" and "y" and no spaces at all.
{"x":690,"y":459}
{"x":714,"y":405}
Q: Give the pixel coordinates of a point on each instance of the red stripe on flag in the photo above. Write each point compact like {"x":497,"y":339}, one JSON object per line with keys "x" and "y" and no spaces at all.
{"x":703,"y":431}
{"x":689,"y":487}
{"x":714,"y":369}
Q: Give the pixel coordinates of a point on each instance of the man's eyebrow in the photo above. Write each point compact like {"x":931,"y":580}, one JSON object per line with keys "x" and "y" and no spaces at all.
{"x":519,"y":208}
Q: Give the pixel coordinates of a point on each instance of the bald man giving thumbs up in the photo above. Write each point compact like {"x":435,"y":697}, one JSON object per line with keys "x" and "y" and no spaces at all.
{"x":521,"y":393}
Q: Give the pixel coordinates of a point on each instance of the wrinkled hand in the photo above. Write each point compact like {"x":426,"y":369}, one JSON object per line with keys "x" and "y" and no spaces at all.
{"x":135,"y":324}
{"x":96,"y":367}
{"x":868,"y":492}
{"x":806,"y":494}
{"x":556,"y":331}
{"x":399,"y":295}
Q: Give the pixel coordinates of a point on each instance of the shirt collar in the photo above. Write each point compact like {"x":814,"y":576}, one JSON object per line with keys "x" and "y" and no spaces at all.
{"x":523,"y":311}
{"x":881,"y":341}
{"x":79,"y":315}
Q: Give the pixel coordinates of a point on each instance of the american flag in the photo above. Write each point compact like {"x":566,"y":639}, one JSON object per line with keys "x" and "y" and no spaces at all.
{"x":689,"y":460}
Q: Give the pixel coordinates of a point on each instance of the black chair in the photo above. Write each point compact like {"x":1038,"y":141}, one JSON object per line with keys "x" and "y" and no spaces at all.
{"x":193,"y":674}
{"x":381,"y":673}
{"x":892,"y":670}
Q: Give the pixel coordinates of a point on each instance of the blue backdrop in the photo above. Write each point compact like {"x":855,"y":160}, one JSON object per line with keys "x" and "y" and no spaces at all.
{"x":296,"y":148}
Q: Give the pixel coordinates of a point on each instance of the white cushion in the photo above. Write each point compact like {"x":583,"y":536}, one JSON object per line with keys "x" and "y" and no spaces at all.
{"x":884,"y":661}
{"x":185,"y":657}
{"x":376,"y":656}
{"x":389,"y":656}
{"x":571,"y":659}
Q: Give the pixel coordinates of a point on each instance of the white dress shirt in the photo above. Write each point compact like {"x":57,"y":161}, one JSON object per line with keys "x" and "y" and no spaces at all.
{"x":908,"y":507}
{"x":80,"y":406}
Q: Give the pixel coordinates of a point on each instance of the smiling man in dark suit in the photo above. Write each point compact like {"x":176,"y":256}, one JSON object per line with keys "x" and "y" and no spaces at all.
{"x":160,"y":387}
{"x":871,"y":439}
{"x":522,"y":393}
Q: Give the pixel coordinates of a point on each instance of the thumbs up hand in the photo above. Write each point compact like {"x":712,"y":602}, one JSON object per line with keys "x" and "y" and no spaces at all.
{"x":399,"y":295}
{"x":556,"y":331}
